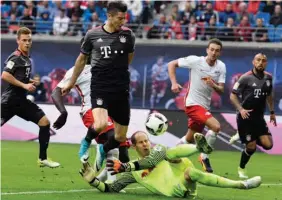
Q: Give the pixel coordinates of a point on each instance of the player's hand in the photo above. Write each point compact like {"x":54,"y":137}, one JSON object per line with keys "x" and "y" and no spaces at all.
{"x":115,"y":166}
{"x":29,"y":87}
{"x":245,"y":113}
{"x":87,"y":172}
{"x":60,"y":122}
{"x":66,"y":89}
{"x":273,"y":119}
{"x":175,"y":88}
{"x":34,"y":82}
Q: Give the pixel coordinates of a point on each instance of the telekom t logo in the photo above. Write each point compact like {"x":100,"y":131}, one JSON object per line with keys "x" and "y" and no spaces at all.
{"x":257,"y":93}
{"x":105,"y":50}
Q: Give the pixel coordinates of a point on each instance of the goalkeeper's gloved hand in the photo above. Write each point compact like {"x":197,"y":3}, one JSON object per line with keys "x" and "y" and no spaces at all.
{"x":88,"y":173}
{"x":60,"y":122}
{"x":115,"y":167}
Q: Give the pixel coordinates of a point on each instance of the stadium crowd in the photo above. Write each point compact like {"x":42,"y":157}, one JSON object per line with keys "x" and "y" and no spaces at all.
{"x":259,"y":21}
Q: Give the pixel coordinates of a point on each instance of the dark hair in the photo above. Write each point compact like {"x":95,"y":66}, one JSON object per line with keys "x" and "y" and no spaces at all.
{"x":88,"y":62}
{"x":215,"y":41}
{"x":116,"y":6}
{"x":23,"y":31}
{"x":133,"y":137}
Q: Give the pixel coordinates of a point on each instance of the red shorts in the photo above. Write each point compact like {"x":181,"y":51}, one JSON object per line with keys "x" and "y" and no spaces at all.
{"x":159,"y":85}
{"x":197,"y":117}
{"x":88,"y":120}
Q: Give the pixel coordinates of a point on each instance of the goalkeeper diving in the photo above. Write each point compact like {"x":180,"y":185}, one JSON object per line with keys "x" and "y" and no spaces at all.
{"x":164,"y":171}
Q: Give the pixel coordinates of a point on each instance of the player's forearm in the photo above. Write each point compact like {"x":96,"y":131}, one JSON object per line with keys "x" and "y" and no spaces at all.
{"x":78,"y":68}
{"x":218,"y":88}
{"x":235,"y":101}
{"x":172,"y":72}
{"x":269,"y":101}
{"x":6,"y":76}
{"x":58,"y":100}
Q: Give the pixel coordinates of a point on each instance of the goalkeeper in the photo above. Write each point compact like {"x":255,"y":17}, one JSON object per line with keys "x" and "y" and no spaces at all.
{"x":164,"y":171}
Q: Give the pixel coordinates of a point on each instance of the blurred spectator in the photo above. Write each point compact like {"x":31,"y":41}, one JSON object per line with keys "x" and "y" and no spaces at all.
{"x":159,"y":29}
{"x":31,"y":8}
{"x":39,"y":93}
{"x":27,"y":20}
{"x":175,"y":12}
{"x":260,"y":33}
{"x":75,"y":10}
{"x":94,"y":21}
{"x":135,"y":8}
{"x":276,"y":18}
{"x":220,"y":6}
{"x":134,"y":80}
{"x":44,"y":23}
{"x":244,"y":30}
{"x":211,"y":29}
{"x":57,"y":7}
{"x":208,"y":13}
{"x":4,"y":24}
{"x":13,"y":24}
{"x":75,"y":26}
{"x":43,"y":7}
{"x":89,"y":10}
{"x":253,"y":6}
{"x":147,"y":12}
{"x":16,"y":9}
{"x":228,"y":33}
{"x":269,"y":7}
{"x":61,"y":24}
{"x":159,"y":81}
{"x":186,"y":13}
{"x":174,"y":31}
{"x":193,"y":28}
{"x":243,"y":11}
{"x":228,"y":12}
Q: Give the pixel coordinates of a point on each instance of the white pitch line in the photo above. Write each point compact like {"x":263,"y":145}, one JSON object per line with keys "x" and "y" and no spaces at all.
{"x":89,"y":190}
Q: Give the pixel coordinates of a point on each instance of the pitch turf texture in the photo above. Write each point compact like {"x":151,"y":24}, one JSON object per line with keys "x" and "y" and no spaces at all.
{"x":23,"y":179}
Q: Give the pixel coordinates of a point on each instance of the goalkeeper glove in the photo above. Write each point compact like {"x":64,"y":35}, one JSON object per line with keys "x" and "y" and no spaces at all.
{"x":115,"y":166}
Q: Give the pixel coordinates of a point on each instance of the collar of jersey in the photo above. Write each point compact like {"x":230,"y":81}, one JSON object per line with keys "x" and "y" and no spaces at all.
{"x":256,"y":75}
{"x":107,"y":31}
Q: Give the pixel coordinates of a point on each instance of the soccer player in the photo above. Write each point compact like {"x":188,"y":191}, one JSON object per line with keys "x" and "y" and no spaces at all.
{"x":207,"y":74}
{"x":13,"y":100}
{"x":255,"y":87}
{"x":111,"y":47}
{"x":164,"y":171}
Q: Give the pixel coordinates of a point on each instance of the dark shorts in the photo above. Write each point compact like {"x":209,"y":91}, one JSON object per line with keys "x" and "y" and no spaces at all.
{"x":118,"y":106}
{"x":25,"y":109}
{"x":251,"y":129}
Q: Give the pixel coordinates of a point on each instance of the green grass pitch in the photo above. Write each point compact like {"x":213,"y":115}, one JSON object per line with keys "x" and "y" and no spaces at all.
{"x":21,"y":178}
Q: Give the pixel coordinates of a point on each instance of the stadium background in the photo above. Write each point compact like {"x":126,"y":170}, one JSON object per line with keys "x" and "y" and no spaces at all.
{"x":53,"y":54}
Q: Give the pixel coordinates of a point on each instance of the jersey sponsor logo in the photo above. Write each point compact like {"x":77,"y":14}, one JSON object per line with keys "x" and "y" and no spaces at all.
{"x":10,"y":64}
{"x":99,"y":101}
{"x":105,"y":50}
{"x":257,"y":93}
{"x":236,"y":85}
{"x":122,"y":39}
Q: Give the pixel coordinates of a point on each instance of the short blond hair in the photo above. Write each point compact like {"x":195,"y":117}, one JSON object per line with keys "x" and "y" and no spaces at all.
{"x":23,"y":31}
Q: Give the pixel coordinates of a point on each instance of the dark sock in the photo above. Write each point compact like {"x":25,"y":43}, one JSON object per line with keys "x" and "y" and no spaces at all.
{"x":112,"y":143}
{"x":91,"y":134}
{"x":44,"y":137}
{"x":123,"y":154}
{"x":245,"y":157}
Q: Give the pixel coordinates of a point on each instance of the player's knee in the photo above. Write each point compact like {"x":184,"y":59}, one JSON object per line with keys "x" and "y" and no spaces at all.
{"x":99,"y":126}
{"x":267,"y":146}
{"x":216,"y":128}
{"x":44,"y":121}
{"x":120,"y":138}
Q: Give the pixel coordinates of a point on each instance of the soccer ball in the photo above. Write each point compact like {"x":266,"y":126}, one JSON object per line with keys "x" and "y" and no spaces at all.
{"x":156,"y":124}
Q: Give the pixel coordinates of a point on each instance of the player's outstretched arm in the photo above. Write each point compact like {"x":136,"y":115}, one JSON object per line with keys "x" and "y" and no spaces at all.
{"x":59,"y":103}
{"x":122,"y":181}
{"x":175,"y":87}
{"x":6,"y":76}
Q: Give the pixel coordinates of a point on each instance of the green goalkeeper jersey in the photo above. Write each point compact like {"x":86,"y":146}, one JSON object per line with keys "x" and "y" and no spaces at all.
{"x":159,"y":175}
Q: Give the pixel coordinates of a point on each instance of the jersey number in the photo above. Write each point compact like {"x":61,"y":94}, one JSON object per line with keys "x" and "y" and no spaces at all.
{"x":27,"y":72}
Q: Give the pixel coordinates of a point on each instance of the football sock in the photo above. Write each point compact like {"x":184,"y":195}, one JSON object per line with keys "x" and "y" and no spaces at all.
{"x":213,"y":180}
{"x":112,"y":143}
{"x":211,"y":138}
{"x":123,"y":154}
{"x":91,"y":134}
{"x":183,"y":140}
{"x":44,"y":137}
{"x":111,"y":155}
{"x":181,"y":151}
{"x":103,"y":175}
{"x":245,"y":157}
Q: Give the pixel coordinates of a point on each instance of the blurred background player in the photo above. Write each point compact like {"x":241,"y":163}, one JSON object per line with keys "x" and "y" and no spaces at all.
{"x":159,"y":81}
{"x":111,"y":47}
{"x":13,"y":99}
{"x":164,"y":171}
{"x":134,"y":81}
{"x":255,"y":87}
{"x":39,"y":94}
{"x":207,"y":74}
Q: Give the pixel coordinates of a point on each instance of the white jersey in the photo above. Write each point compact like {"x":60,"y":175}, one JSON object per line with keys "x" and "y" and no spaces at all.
{"x":82,"y":85}
{"x":199,"y":93}
{"x":134,"y":75}
{"x":160,"y":72}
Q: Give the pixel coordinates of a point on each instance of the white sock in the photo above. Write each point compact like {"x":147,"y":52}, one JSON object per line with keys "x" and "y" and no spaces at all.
{"x":211,"y":138}
{"x":112,"y":154}
{"x":103,"y":175}
{"x":183,"y":140}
